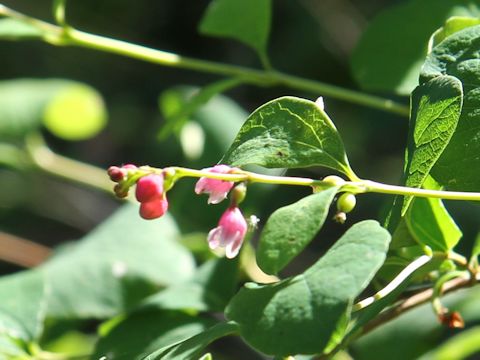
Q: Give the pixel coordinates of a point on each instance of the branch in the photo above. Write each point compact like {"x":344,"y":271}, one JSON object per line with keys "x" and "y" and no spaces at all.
{"x":416,"y":300}
{"x":61,"y":36}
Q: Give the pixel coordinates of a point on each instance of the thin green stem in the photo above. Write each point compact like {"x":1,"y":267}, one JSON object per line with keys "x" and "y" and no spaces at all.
{"x":356,"y":187}
{"x":68,"y":36}
{"x":395,"y":283}
{"x":63,"y":167}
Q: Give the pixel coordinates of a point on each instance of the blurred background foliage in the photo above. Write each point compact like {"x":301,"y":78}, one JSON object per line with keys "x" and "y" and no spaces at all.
{"x":309,"y":38}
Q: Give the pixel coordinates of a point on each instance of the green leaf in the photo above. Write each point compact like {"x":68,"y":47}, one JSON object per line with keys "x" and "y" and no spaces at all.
{"x":210,"y":289}
{"x":23,"y":305}
{"x":281,"y":242}
{"x":193,"y":347}
{"x":252,"y":27}
{"x":69,"y":109}
{"x":288,"y":132}
{"x":476,"y":246}
{"x":117,"y":265}
{"x":388,"y":44}
{"x":459,"y":165}
{"x":436,"y":107}
{"x":142,"y":332}
{"x":451,"y":26}
{"x":11,"y":29}
{"x":308,"y":313}
{"x":431,"y":224}
{"x":462,"y":346}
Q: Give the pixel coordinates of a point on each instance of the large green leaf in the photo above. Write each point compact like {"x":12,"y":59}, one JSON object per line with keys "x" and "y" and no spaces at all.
{"x":252,"y":27}
{"x":288,"y":132}
{"x":281,"y":242}
{"x":192,"y":348}
{"x":389,"y":55}
{"x":308,"y":313}
{"x":143,"y":332}
{"x":210,"y":289}
{"x":459,"y":165}
{"x":436,"y":107}
{"x":23,"y":305}
{"x":68,"y":109}
{"x":117,"y":265}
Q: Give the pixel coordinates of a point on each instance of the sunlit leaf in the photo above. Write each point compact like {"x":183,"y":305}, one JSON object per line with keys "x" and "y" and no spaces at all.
{"x":308,"y":313}
{"x":436,"y":107}
{"x":459,"y":165}
{"x":288,"y":132}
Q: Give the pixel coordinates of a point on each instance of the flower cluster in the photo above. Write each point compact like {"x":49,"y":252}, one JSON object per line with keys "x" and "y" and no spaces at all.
{"x":151,"y":190}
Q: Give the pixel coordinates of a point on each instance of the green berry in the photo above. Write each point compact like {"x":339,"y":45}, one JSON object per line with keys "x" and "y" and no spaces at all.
{"x":346,"y":202}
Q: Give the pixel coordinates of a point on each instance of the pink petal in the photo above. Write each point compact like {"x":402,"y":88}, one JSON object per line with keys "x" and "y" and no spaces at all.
{"x":214,"y":237}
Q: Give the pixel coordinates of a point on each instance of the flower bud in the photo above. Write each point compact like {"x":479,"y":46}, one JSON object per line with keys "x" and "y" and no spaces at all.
{"x":149,"y":187}
{"x":120,"y":191}
{"x":153,"y":209}
{"x":116,"y":174}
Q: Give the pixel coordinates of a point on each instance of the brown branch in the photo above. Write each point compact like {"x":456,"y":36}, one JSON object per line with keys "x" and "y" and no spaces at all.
{"x":416,"y":300}
{"x":22,"y":252}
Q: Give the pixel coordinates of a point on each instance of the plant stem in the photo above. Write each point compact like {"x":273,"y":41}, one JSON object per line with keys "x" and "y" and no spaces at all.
{"x":397,"y":281}
{"x":52,"y":163}
{"x":65,"y":35}
{"x":416,"y":300}
{"x":357,"y":187}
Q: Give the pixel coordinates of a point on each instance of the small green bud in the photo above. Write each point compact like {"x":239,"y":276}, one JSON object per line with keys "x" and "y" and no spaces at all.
{"x":334,"y":180}
{"x":346,"y":202}
{"x":238,"y":193}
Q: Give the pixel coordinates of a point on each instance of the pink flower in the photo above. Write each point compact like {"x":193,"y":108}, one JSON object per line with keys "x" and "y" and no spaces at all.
{"x":149,"y":187}
{"x":229,"y":233}
{"x":153,"y":209}
{"x":217,"y":189}
{"x":149,"y":192}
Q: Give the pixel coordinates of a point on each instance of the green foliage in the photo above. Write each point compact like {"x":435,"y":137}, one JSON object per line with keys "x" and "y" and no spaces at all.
{"x":459,"y":165}
{"x":210,"y":289}
{"x":289,"y":132}
{"x":114,"y":255}
{"x":252,"y":27}
{"x":436,"y":107}
{"x":388,"y":44}
{"x":451,"y":26}
{"x":281,"y":242}
{"x":110,"y":267}
{"x":192,"y":347}
{"x":431,"y":224}
{"x":459,"y":347}
{"x":70,"y":110}
{"x":308,"y":313}
{"x":23,"y":305}
{"x":142,"y":332}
